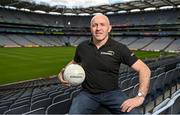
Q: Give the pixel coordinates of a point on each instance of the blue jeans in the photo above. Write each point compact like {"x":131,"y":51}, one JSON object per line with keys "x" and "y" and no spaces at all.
{"x":87,"y":103}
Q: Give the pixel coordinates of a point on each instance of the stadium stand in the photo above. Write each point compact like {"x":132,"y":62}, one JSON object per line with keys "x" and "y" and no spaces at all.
{"x":147,"y":30}
{"x":159,"y":44}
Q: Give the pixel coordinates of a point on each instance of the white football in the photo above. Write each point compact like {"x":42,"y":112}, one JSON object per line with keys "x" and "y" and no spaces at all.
{"x":75,"y":74}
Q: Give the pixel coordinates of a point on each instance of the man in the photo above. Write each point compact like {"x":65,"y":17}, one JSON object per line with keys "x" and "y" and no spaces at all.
{"x":101,"y":58}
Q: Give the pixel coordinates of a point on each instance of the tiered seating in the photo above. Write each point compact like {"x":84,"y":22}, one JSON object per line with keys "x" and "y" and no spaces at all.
{"x":143,"y":18}
{"x":128,"y":40}
{"x":6,"y":42}
{"x":47,"y":96}
{"x":18,"y":40}
{"x":134,"y":21}
{"x":79,"y":40}
{"x":34,"y":98}
{"x":163,"y":78}
{"x":140,"y":43}
{"x":174,"y":46}
{"x":159,"y":44}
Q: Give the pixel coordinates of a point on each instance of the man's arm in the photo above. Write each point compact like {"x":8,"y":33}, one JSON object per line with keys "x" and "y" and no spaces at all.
{"x":144,"y":80}
{"x":144,"y":76}
{"x":61,"y":76}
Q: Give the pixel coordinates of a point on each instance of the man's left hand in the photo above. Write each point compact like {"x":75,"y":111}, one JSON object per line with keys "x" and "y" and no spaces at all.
{"x":131,"y":103}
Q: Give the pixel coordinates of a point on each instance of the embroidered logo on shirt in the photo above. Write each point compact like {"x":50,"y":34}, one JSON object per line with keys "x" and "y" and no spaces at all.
{"x":111,"y":53}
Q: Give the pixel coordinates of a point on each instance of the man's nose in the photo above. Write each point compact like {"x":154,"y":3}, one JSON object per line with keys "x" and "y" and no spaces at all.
{"x":98,"y":27}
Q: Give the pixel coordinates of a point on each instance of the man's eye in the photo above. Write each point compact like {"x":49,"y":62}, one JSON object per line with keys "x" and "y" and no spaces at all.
{"x":94,"y":25}
{"x":102,"y":24}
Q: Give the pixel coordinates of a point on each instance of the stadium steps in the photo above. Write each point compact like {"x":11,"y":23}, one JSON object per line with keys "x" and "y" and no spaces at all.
{"x":30,"y":41}
{"x":14,"y":41}
{"x":132,"y":42}
{"x":169,"y":44}
{"x":46,"y":41}
{"x":148,"y":44}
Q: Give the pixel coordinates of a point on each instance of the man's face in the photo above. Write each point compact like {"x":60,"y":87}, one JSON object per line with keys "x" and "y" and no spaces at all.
{"x":100,"y":28}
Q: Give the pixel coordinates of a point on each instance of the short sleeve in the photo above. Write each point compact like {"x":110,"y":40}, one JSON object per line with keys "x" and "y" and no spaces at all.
{"x":127,"y":57}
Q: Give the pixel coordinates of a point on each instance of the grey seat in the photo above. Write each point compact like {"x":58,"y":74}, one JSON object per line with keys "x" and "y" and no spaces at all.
{"x":41,"y":103}
{"x":18,"y":110}
{"x":20,"y":103}
{"x":35,"y":111}
{"x":3,"y":109}
{"x":175,"y":109}
{"x":129,"y":91}
{"x":134,"y":80}
{"x":44,"y":96}
{"x":61,"y":97}
{"x":162,"y":104}
{"x":159,"y":85}
{"x":61,"y":107}
{"x":175,"y":93}
{"x":164,"y":109}
{"x":125,"y":83}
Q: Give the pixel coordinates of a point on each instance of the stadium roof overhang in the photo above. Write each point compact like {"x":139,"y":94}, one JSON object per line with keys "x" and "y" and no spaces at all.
{"x":115,"y":8}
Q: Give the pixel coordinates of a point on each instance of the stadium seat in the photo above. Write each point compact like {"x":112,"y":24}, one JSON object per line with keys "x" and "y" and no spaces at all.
{"x":18,"y":110}
{"x":74,"y":93}
{"x":175,"y":109}
{"x":175,"y":93}
{"x":52,"y":95}
{"x":6,"y":103}
{"x":168,"y":106}
{"x":61,"y":97}
{"x":35,"y":111}
{"x":23,"y":99}
{"x":159,"y":85}
{"x":129,"y":91}
{"x":164,"y":109}
{"x":3,"y":109}
{"x":162,"y":104}
{"x":40,"y":97}
{"x":20,"y":103}
{"x":168,"y":80}
{"x":61,"y":107}
{"x":125,"y":83}
{"x":134,"y":80}
{"x":41,"y":103}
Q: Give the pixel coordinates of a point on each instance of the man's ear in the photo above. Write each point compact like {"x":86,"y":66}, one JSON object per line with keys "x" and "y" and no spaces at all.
{"x":110,"y":27}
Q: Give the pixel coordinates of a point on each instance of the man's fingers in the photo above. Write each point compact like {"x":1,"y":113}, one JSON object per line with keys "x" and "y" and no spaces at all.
{"x":64,"y":82}
{"x":124,"y":103}
{"x":130,"y":108}
{"x":130,"y":104}
{"x":125,"y":106}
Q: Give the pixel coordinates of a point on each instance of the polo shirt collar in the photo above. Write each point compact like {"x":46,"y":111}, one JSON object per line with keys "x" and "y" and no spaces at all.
{"x":108,"y":43}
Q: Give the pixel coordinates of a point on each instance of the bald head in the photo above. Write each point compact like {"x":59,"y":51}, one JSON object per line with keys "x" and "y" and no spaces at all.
{"x":100,"y":16}
{"x":100,"y":28}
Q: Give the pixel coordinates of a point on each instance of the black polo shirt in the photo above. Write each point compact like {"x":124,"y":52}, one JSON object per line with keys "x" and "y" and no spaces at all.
{"x":102,"y":65}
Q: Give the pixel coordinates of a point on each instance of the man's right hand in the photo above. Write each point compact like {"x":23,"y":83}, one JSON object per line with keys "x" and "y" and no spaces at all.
{"x":61,"y":78}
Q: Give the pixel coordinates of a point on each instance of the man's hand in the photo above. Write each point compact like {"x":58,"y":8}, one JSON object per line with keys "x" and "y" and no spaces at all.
{"x":61,"y":78}
{"x":131,"y":103}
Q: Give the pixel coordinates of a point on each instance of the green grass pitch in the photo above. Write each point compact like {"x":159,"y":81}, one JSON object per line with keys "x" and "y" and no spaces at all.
{"x":18,"y":64}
